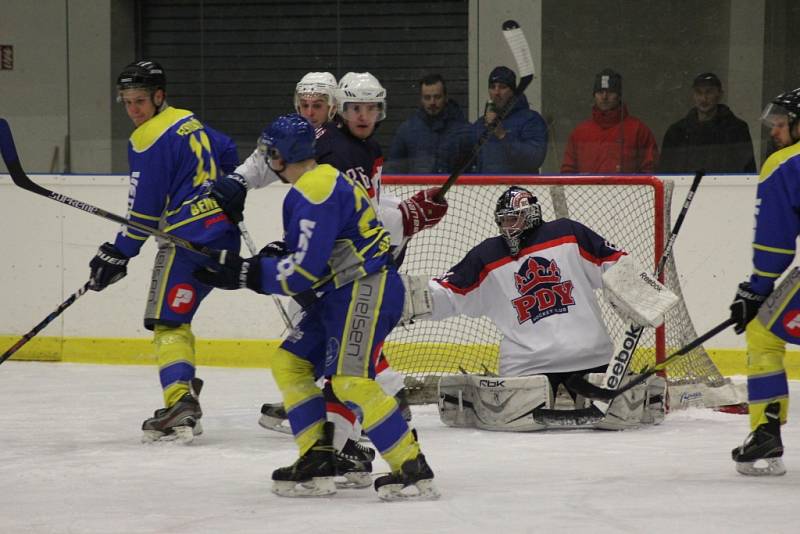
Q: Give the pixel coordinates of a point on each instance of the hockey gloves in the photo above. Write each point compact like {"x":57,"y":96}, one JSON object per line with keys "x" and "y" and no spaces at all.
{"x":232,"y":272}
{"x":108,"y":266}
{"x":745,"y":306}
{"x":274,"y":249}
{"x":230,"y":192}
{"x":421,"y":211}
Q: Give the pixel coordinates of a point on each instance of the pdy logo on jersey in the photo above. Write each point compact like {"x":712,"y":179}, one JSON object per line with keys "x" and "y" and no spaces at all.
{"x":542,"y":291}
{"x":181,"y":298}
{"x":791,"y":322}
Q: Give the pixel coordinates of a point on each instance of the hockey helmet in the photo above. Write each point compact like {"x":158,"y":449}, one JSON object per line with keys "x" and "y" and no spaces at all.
{"x":289,"y":137}
{"x":142,"y":75}
{"x":516,"y":213}
{"x":361,"y":87}
{"x":317,"y":84}
{"x":786,"y":104}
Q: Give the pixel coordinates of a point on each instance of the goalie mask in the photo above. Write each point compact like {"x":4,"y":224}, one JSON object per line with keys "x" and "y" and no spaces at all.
{"x":317,"y":85}
{"x":517,"y":213}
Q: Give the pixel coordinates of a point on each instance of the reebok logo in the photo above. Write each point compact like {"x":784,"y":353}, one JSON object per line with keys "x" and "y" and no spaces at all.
{"x":649,"y":281}
{"x":622,"y":358}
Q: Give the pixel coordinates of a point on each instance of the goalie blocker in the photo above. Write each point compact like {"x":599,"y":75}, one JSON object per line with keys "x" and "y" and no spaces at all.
{"x":507,"y":404}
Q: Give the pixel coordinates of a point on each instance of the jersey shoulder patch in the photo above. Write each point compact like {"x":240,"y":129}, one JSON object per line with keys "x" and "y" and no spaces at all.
{"x":317,"y":185}
{"x":151,"y":131}
{"x":778,"y":158}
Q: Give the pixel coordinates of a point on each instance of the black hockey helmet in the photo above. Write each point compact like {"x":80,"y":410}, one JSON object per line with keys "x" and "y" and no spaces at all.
{"x":142,"y":74}
{"x":790,"y":102}
{"x":516,"y":213}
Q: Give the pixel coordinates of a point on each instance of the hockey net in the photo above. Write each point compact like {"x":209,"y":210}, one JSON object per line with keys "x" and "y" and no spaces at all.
{"x":632,"y":212}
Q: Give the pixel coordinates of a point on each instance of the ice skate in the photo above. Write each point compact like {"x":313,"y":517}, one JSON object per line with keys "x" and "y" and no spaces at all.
{"x":354,"y":463}
{"x":274,"y":417}
{"x":312,"y":475}
{"x":760,"y":454}
{"x":180,"y":422}
{"x":414,"y":473}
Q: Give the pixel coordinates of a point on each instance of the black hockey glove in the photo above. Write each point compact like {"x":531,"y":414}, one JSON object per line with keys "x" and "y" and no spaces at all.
{"x":230,"y":192}
{"x":274,"y":249}
{"x":745,"y":306}
{"x":232,"y":272}
{"x":108,"y":266}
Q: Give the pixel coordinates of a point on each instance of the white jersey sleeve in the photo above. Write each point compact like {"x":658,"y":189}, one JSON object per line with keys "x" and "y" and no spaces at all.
{"x":256,"y":172}
{"x":391,"y":217}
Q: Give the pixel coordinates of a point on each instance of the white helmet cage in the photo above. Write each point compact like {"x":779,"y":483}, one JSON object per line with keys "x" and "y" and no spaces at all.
{"x":361,"y":87}
{"x":316,"y":84}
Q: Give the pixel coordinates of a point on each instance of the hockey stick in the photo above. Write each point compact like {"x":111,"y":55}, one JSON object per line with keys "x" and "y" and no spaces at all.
{"x":512,"y":32}
{"x":589,"y":390}
{"x":9,"y":153}
{"x":251,"y":246}
{"x":620,"y":362}
{"x":47,"y":320}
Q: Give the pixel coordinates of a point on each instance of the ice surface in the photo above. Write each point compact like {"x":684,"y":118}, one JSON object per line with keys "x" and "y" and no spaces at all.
{"x":71,"y":462}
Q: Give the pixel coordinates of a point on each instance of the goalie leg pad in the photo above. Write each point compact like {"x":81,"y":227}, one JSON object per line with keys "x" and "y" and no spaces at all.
{"x":642,"y":404}
{"x":503,"y":404}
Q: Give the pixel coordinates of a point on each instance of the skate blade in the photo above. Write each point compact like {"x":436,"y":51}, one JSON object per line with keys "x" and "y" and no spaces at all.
{"x":423,"y":490}
{"x":275,"y":424}
{"x":316,"y":487}
{"x":355,"y":480}
{"x":181,"y":434}
{"x":764,"y":467}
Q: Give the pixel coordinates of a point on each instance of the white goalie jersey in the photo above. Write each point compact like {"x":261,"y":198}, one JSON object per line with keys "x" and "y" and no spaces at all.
{"x":543,"y":300}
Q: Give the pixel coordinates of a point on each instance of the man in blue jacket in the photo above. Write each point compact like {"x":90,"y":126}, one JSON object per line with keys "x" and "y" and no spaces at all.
{"x":427,"y":142}
{"x":519,"y":144}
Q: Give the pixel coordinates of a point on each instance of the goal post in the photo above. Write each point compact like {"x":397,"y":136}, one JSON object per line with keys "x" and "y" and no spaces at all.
{"x":633,"y":212}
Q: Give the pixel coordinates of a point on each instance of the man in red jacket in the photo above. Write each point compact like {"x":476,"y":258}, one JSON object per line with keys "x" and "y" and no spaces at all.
{"x":612,"y":141}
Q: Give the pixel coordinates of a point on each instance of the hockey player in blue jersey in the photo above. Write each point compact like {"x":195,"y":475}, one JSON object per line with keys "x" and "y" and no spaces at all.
{"x":770,"y":315}
{"x":335,"y":245}
{"x":171,"y":155}
{"x":346,"y":143}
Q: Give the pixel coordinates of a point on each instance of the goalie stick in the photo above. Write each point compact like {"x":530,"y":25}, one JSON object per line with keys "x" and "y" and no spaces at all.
{"x":9,"y":153}
{"x":621,"y":360}
{"x":47,"y":320}
{"x":589,"y":390}
{"x":512,"y":32}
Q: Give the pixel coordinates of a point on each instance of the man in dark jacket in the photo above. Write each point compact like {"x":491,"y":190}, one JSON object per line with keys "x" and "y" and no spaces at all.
{"x":710,"y":137}
{"x":427,"y":142}
{"x":519,"y":144}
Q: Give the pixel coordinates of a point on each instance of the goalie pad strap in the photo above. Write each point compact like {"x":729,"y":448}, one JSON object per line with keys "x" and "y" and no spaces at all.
{"x":636,"y":294}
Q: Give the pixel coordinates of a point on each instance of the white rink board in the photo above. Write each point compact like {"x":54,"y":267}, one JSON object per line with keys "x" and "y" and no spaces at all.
{"x":48,"y":247}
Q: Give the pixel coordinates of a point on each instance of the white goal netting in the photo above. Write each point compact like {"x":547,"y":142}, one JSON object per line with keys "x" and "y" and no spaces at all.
{"x":632,"y":212}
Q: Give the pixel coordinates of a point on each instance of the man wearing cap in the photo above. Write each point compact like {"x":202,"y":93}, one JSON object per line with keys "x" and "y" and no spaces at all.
{"x":519,"y":143}
{"x":710,"y":137}
{"x":613,"y":140}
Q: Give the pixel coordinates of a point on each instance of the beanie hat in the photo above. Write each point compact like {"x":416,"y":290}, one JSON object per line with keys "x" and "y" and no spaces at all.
{"x":503,"y":75}
{"x":608,"y":79}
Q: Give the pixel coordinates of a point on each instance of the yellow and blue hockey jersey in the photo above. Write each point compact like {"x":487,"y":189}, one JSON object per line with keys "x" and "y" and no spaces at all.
{"x":331,"y":232}
{"x":777,"y":218}
{"x":171,"y":157}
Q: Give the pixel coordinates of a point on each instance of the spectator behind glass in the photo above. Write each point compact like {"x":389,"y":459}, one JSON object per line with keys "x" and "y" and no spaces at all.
{"x":427,"y":142}
{"x":519,"y":144}
{"x":709,"y":137}
{"x":612,"y":141}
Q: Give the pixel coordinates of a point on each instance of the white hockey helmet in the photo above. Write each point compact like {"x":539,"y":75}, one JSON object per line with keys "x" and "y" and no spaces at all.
{"x":361,"y":87}
{"x":315,"y":84}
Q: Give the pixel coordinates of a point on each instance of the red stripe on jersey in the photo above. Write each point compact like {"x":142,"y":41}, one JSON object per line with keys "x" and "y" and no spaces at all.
{"x":566,"y":240}
{"x":340,"y":409}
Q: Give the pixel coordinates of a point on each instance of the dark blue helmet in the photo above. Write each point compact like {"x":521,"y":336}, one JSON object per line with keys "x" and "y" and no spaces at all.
{"x":290,"y":137}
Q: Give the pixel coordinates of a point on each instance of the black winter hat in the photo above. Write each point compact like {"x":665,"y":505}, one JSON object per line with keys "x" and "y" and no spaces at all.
{"x":608,"y":79}
{"x":503,"y":75}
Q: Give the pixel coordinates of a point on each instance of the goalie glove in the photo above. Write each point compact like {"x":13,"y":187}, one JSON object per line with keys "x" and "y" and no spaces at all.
{"x":421,"y":211}
{"x":418,"y":303}
{"x":108,"y":266}
{"x":637,"y":295}
{"x":745,"y":306}
{"x":230,"y":192}
{"x":232,"y":272}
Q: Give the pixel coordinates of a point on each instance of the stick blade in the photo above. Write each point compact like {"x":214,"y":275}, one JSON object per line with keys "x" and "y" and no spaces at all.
{"x":568,"y":418}
{"x":519,"y":48}
{"x":7,"y":148}
{"x":584,"y":388}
